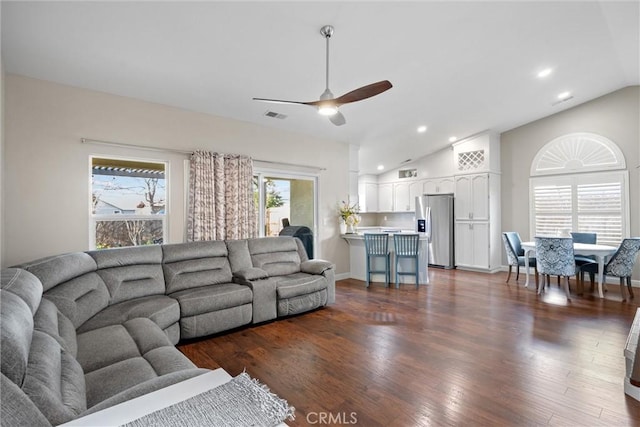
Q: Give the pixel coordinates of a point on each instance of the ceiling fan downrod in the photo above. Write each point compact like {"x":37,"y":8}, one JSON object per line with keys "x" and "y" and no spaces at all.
{"x":327,"y":32}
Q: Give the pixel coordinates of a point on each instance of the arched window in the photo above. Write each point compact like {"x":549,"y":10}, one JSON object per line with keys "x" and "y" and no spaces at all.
{"x":579,"y":182}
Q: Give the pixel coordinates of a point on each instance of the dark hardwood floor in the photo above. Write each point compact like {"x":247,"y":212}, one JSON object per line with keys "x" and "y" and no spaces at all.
{"x":465,"y":350}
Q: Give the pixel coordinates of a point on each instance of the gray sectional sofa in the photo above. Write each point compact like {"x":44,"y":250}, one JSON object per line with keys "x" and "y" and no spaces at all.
{"x":85,"y":331}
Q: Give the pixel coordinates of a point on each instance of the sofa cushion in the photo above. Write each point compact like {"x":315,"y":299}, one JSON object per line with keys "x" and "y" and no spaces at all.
{"x":212,"y":298}
{"x":80,"y":298}
{"x":60,"y":268}
{"x":299,"y":284}
{"x":17,"y":409}
{"x":23,"y":284}
{"x":118,"y":357}
{"x":16,"y":328}
{"x":49,"y":320}
{"x":278,"y":256}
{"x":161,"y":309}
{"x":131,"y":272}
{"x":195,"y":264}
{"x":54,"y":380}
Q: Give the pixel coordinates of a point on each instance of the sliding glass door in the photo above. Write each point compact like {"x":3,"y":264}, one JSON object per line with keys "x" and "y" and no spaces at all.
{"x":283,"y":198}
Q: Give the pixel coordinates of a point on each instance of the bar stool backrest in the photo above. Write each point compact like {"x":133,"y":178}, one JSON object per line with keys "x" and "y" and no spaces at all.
{"x":406,"y":244}
{"x":376,"y":243}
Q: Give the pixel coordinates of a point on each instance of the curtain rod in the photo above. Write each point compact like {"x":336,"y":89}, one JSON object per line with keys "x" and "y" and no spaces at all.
{"x":185,"y":152}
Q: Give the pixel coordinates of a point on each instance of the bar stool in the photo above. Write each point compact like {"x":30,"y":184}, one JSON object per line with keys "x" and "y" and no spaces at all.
{"x":377,"y":246}
{"x":406,"y":246}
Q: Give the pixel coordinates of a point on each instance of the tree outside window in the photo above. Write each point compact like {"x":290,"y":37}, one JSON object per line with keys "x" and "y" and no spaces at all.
{"x":128,"y":203}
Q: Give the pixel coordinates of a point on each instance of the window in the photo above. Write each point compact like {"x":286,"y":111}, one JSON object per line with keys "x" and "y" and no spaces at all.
{"x":592,"y":203}
{"x":282,"y":196}
{"x":579,"y":182}
{"x":128,"y":203}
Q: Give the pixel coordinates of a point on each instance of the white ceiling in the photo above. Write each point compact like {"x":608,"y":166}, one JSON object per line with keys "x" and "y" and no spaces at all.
{"x":457,"y":67}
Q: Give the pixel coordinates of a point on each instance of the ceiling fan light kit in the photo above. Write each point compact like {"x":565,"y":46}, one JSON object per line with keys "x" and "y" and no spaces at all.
{"x":327,"y":105}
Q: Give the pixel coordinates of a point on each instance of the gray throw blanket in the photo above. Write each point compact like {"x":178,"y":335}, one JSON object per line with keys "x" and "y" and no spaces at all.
{"x":243,"y":401}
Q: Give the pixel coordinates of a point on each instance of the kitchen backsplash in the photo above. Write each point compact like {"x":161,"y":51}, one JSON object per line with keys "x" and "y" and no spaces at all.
{"x":404,"y":220}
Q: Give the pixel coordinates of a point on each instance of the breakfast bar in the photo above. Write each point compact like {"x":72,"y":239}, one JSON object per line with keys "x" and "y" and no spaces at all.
{"x":357,"y":255}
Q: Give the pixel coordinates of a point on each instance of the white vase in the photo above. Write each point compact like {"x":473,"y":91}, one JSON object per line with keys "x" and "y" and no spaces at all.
{"x":343,"y":226}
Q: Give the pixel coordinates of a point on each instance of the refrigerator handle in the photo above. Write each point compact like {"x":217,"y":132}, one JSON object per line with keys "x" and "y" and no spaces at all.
{"x":430,"y":223}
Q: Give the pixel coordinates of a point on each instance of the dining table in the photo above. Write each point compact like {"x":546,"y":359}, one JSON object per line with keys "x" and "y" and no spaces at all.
{"x":601,"y":252}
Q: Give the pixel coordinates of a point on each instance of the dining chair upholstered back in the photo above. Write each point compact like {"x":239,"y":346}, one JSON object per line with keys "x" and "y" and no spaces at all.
{"x":622,"y":262}
{"x":620,"y":265}
{"x":555,"y":257}
{"x":377,"y":246}
{"x":515,"y":253}
{"x":406,"y":246}
{"x":512,"y":246}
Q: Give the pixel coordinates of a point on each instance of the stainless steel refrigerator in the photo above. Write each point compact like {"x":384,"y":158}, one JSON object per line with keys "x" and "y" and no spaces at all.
{"x":434,"y":217}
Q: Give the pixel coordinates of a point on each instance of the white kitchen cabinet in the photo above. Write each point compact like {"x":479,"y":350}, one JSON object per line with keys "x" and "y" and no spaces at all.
{"x":472,"y":197}
{"x":385,"y":197}
{"x":438,"y":186}
{"x":415,"y":190}
{"x":401,"y":196}
{"x":368,"y":197}
{"x":473,"y":244}
{"x":477,"y":214}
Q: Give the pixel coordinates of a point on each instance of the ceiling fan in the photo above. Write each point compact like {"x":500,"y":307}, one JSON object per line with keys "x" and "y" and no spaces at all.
{"x":328,"y":105}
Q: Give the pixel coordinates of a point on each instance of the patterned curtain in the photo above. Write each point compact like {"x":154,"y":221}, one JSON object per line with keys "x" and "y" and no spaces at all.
{"x":221,"y":204}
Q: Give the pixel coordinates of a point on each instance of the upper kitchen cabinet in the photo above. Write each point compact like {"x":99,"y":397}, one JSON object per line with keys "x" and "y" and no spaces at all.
{"x":367,"y":194}
{"x":478,"y":153}
{"x":438,"y":186}
{"x":402,"y":197}
{"x":385,"y":197}
{"x":472,"y":197}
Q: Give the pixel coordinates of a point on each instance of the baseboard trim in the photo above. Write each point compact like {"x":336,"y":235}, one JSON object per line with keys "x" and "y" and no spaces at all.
{"x":343,"y":276}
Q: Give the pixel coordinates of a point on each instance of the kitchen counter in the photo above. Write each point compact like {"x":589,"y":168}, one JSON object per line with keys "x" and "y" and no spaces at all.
{"x":357,"y":256}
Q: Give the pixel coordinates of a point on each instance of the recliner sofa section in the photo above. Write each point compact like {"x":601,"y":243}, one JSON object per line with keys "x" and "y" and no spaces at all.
{"x":84,"y":331}
{"x":52,"y":374}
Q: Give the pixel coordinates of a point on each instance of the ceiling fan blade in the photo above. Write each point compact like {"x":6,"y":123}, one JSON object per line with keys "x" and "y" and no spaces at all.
{"x":364,"y":92}
{"x":279,"y":101}
{"x":337,"y":119}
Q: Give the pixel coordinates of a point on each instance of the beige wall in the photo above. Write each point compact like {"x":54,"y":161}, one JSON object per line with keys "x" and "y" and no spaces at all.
{"x":615,"y":116}
{"x":47,"y":171}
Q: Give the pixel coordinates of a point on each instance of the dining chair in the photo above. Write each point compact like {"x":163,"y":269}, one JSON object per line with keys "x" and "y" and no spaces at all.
{"x":377,"y":246}
{"x":406,"y":246}
{"x":582,"y":260}
{"x":515,"y":253}
{"x":620,"y":265}
{"x":555,"y":257}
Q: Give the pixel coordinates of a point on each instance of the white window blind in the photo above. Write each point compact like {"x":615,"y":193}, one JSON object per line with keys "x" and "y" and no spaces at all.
{"x":592,"y":203}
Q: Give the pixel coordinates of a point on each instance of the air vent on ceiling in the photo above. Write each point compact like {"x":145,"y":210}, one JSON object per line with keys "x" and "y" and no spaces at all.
{"x":275,"y":115}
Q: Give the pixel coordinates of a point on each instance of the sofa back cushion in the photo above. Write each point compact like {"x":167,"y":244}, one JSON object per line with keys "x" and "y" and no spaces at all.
{"x":70,"y":281}
{"x":54,"y":380}
{"x":60,"y":268}
{"x":278,"y":256}
{"x":130,"y":272}
{"x":195,"y":264}
{"x":38,"y":355}
{"x":20,"y":295}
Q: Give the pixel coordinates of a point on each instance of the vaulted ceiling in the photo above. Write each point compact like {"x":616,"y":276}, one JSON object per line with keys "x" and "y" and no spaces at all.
{"x":457,"y":67}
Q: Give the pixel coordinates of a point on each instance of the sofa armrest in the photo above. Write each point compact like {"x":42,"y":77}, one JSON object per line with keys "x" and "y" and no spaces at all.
{"x":315,"y":266}
{"x":250,"y":273}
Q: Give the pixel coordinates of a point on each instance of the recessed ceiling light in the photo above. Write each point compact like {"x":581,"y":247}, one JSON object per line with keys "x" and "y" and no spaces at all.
{"x":544,"y":73}
{"x":564,"y":95}
{"x":422,"y":129}
{"x":453,"y":139}
{"x":380,"y":167}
